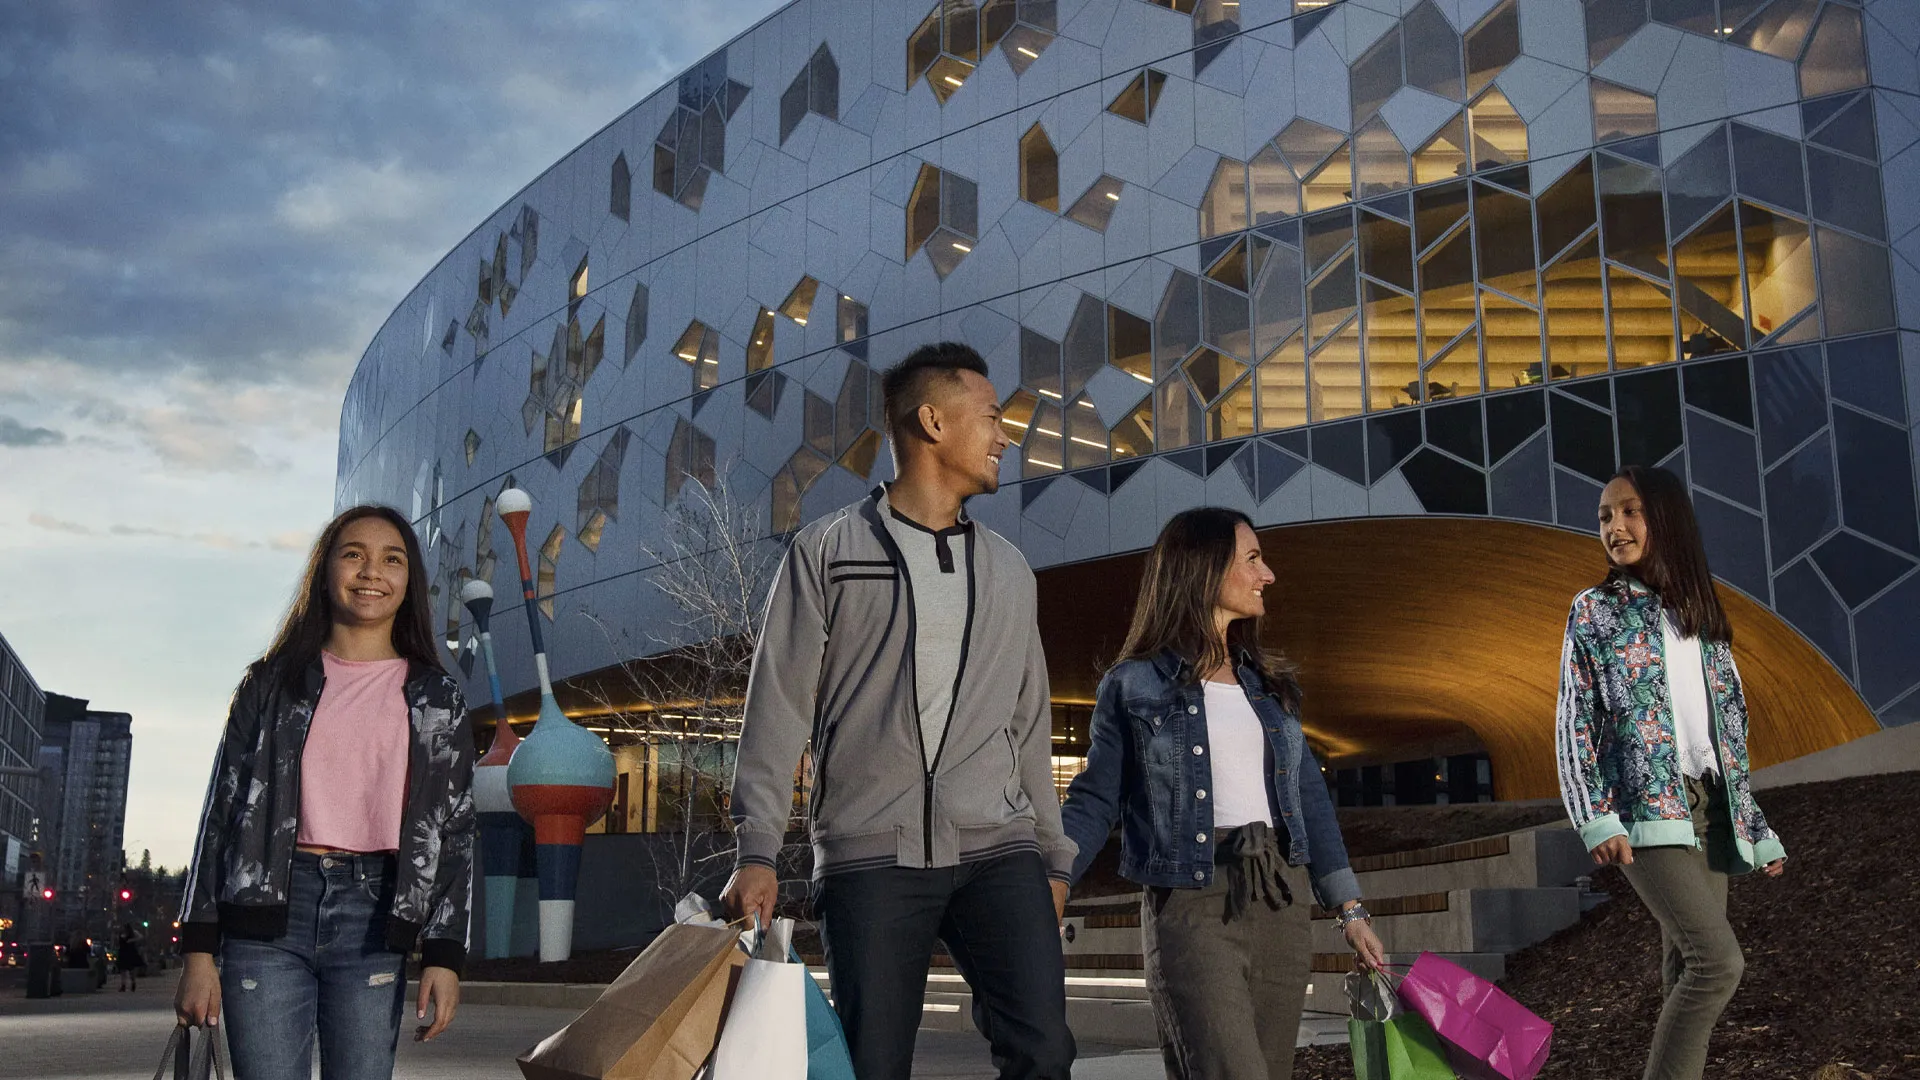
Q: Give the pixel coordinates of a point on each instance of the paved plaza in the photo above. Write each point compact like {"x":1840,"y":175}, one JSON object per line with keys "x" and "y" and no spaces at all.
{"x":119,"y":1036}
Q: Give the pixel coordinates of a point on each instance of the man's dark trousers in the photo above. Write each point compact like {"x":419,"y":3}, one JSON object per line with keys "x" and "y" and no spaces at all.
{"x":996,"y":918}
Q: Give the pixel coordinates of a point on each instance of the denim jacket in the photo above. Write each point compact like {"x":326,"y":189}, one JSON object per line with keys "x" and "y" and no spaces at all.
{"x":1619,"y":768}
{"x":1149,"y":767}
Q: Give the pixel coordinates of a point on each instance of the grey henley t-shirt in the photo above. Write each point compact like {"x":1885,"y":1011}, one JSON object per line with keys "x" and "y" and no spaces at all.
{"x":941,"y":586}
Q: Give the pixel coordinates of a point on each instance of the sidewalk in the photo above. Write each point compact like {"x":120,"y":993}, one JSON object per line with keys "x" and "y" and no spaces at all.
{"x":119,"y":1036}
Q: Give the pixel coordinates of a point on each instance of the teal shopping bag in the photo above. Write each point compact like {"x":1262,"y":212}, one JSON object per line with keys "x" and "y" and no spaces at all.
{"x":1389,"y":1044}
{"x":827,"y":1056}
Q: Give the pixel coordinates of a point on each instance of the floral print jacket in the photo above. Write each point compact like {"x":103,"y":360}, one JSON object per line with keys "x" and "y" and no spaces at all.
{"x":1619,"y":770}
{"x":243,"y":857}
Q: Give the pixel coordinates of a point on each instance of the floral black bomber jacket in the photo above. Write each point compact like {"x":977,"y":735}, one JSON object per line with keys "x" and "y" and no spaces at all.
{"x":243,"y":854}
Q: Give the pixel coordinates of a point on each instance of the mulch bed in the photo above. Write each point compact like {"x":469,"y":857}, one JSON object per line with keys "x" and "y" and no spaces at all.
{"x":1833,"y":957}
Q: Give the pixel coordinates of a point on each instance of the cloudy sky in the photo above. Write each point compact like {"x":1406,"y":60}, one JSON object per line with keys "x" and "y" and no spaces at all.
{"x":206,"y":210}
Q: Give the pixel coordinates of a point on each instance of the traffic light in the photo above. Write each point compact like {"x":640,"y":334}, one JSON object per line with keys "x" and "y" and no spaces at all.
{"x":46,"y":894}
{"x":126,"y":895}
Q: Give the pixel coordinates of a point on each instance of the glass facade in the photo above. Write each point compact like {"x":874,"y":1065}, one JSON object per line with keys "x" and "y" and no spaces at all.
{"x":1474,"y":255}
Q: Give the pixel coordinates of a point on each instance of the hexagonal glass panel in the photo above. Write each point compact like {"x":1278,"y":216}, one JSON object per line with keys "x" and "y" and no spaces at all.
{"x":1835,"y":59}
{"x":1392,"y":348}
{"x":760,"y":345}
{"x":1499,"y":135}
{"x":799,"y":303}
{"x":1137,"y":99}
{"x":1130,"y":343}
{"x":1575,"y":316}
{"x":1331,"y":185}
{"x":1335,"y":385}
{"x":1223,"y":209}
{"x":1307,"y":143}
{"x":1095,"y":208}
{"x":1640,"y":318}
{"x":1433,"y":53}
{"x":1039,"y":170}
{"x":1272,"y":186}
{"x":549,"y":571}
{"x":1492,"y":44}
{"x":1283,"y":387}
{"x":1511,"y":332}
{"x":1620,"y":113}
{"x":1133,"y":436}
{"x":1777,"y":253}
{"x":1443,"y":156}
{"x":1456,"y":371}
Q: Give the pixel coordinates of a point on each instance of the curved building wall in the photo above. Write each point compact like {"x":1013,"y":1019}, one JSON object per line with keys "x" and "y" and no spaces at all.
{"x":1373,"y":258}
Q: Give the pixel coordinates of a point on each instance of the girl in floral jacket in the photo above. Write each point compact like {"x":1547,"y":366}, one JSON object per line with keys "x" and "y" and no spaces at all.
{"x":1652,"y":742}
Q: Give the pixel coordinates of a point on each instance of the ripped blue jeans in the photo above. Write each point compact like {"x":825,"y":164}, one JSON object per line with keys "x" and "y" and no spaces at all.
{"x":329,"y":975}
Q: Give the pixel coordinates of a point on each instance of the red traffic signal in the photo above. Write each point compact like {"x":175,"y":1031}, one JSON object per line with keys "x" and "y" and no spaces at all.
{"x":126,"y":895}
{"x":46,"y":894}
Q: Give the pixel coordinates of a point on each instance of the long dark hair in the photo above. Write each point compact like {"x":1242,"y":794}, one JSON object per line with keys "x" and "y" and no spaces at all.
{"x":1674,"y":565}
{"x":1178,"y":591}
{"x":309,"y":619}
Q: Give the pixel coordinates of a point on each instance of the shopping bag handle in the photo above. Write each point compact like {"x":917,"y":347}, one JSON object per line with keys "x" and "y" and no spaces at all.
{"x":179,"y":1053}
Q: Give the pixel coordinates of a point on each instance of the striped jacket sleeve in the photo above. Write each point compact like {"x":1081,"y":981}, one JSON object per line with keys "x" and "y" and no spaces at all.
{"x":1586,"y":791}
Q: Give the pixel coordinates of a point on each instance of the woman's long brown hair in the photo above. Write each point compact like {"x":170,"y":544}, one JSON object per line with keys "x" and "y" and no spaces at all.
{"x":1675,"y":563}
{"x":309,"y":619}
{"x":1179,"y":590}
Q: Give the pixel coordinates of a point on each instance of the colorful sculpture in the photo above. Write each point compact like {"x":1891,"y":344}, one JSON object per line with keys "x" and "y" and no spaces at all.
{"x":561,"y":777}
{"x":506,"y":841}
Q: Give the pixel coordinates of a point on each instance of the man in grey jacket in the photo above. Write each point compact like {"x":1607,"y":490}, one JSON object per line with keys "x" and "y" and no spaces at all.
{"x":900,"y":639}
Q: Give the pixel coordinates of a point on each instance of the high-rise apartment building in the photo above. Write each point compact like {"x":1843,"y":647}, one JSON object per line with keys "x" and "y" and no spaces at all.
{"x":84,"y":759}
{"x":22,"y":704}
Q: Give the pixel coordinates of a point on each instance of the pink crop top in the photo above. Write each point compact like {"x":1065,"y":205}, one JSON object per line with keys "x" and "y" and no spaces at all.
{"x":353,"y":772}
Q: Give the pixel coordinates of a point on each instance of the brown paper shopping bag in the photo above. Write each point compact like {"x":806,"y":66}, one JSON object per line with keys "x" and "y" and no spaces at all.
{"x":658,"y":1021}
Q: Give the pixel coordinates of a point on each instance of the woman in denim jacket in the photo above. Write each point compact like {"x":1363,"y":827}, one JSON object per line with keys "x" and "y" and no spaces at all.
{"x":1652,"y":740}
{"x":1224,"y":815}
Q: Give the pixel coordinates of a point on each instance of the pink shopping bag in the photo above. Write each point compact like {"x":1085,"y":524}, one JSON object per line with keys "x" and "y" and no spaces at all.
{"x":1488,"y":1035}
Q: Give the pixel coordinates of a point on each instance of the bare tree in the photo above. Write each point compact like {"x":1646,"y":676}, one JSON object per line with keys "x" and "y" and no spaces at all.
{"x":684,"y":689}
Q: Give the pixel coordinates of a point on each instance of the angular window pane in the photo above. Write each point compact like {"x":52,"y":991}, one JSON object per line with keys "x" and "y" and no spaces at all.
{"x":1307,"y":144}
{"x":1640,"y":315}
{"x":1276,"y":294}
{"x":1224,"y":208}
{"x":1846,"y":193}
{"x":1609,"y":24}
{"x":760,"y":345}
{"x":1436,"y":210}
{"x":1392,"y":349}
{"x":1283,"y":387}
{"x":1331,"y":185}
{"x":1576,"y":315}
{"x":1380,"y":162}
{"x":1835,"y":59}
{"x":1023,"y":45}
{"x":923,"y":209}
{"x":946,"y":249}
{"x":923,"y":47}
{"x":1176,"y":323}
{"x":1777,"y":254}
{"x":1767,"y":167}
{"x":947,"y":75}
{"x":1133,"y":436}
{"x":963,"y":29}
{"x":1178,"y":419}
{"x":1492,"y":44}
{"x":1620,"y":113}
{"x":1086,"y":437}
{"x":1505,"y":221}
{"x":1327,"y":235}
{"x":1231,"y":269}
{"x":1225,"y":319}
{"x":1331,"y":300}
{"x":1334,"y":371}
{"x":1433,"y":53}
{"x":1512,"y":335}
{"x":996,"y":18}
{"x":959,"y":204}
{"x":1499,"y":135}
{"x":713,"y":139}
{"x":793,"y":106}
{"x":1136,"y":100}
{"x":1375,"y":76}
{"x":799,"y":303}
{"x":851,"y":320}
{"x":1094,"y":209}
{"x":1045,"y":451}
{"x":1695,"y":16}
{"x":1085,"y":347}
{"x":1446,"y":291}
{"x":1855,"y":291}
{"x":1456,"y":372}
{"x":1707,"y":290}
{"x":1040,"y":363}
{"x":1016,"y":416}
{"x":1212,"y":372}
{"x":1386,"y":251}
{"x":1275,"y":191}
{"x":1232,"y":418}
{"x":1130,"y":343}
{"x":1780,"y":29}
{"x":1697,"y":183}
{"x":1566,"y":209}
{"x":1445,"y":155}
{"x":1039,"y":170}
{"x":1632,"y":217}
{"x":823,"y":76}
{"x":817,"y":423}
{"x":619,"y":195}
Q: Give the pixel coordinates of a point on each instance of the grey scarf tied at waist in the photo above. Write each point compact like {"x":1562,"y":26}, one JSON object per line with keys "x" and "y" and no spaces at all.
{"x":1252,"y":861}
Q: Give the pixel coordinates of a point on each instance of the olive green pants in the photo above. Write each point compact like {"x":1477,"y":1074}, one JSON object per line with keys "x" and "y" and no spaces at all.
{"x":1701,"y":962}
{"x":1227,"y":993}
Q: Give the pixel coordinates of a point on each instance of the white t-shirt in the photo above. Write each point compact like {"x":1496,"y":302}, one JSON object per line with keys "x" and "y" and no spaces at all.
{"x":940,"y":588}
{"x":1239,"y":758}
{"x":1692,"y":707}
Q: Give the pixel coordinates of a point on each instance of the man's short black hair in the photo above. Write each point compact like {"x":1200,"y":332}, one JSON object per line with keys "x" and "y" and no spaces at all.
{"x":907,"y":385}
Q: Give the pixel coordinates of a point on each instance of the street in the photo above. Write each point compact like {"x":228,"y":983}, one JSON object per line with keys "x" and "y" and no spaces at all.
{"x":108,"y":1035}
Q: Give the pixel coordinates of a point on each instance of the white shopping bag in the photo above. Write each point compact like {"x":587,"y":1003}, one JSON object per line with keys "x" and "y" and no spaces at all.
{"x":764,"y":1036}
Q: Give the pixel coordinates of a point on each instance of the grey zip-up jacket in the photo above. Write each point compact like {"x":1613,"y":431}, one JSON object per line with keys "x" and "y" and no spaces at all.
{"x":835,"y":665}
{"x":243,"y":858}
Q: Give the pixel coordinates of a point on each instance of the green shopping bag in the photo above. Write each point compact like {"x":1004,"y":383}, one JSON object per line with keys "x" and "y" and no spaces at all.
{"x":1388,"y":1043}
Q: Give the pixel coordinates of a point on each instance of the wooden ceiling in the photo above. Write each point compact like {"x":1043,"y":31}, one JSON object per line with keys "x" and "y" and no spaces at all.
{"x":1419,"y":636}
